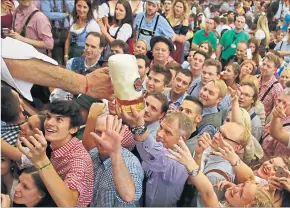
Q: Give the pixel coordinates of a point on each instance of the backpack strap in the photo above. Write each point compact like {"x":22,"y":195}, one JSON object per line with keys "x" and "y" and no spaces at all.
{"x":253,"y":115}
{"x":282,"y":43}
{"x":220,"y":172}
{"x":140,"y":27}
{"x":268,"y":90}
{"x":156,"y":23}
{"x":23,"y":31}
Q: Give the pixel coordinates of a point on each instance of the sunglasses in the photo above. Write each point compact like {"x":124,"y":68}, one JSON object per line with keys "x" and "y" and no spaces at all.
{"x":225,"y":137}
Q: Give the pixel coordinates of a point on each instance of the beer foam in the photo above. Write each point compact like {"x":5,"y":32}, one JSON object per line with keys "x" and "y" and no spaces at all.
{"x":125,"y":76}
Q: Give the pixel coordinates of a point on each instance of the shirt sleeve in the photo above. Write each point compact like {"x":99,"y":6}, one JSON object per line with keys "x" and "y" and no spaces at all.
{"x":165,"y":28}
{"x":196,"y":38}
{"x":210,"y":129}
{"x":125,"y":32}
{"x":93,"y":26}
{"x":43,"y":29}
{"x":69,"y":63}
{"x":137,"y":21}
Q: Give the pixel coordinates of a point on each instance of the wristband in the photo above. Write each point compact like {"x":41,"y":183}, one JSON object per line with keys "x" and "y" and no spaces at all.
{"x":87,"y":85}
{"x":44,"y":167}
{"x":65,"y":56}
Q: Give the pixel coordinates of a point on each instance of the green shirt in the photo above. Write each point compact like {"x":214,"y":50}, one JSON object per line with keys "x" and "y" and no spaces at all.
{"x":230,"y":40}
{"x":200,"y":37}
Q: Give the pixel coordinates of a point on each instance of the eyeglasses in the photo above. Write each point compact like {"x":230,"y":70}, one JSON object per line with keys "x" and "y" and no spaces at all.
{"x":225,"y":137}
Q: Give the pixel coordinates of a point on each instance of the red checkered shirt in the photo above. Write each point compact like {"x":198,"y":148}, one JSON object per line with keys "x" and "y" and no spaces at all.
{"x":270,"y":98}
{"x":271,"y":146}
{"x":74,"y":165}
{"x":128,"y":141}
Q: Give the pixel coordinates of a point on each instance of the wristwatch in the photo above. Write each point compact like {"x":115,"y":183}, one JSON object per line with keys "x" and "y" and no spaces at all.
{"x":194,"y":172}
{"x":139,"y":130}
{"x":237,"y":163}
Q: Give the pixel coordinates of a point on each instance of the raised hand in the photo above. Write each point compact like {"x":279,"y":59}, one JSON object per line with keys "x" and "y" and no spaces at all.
{"x":228,"y":152}
{"x":97,"y":109}
{"x":133,"y":119}
{"x":235,"y":94}
{"x":36,"y":151}
{"x":279,"y":110}
{"x":112,"y":137}
{"x":5,"y":201}
{"x":203,"y":143}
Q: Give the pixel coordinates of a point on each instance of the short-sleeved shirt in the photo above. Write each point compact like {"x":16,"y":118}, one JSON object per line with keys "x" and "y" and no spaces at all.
{"x":200,"y":36}
{"x":163,"y":27}
{"x":38,"y":28}
{"x":105,"y":191}
{"x":269,"y":92}
{"x":74,"y":165}
{"x":230,"y":40}
{"x":124,"y":33}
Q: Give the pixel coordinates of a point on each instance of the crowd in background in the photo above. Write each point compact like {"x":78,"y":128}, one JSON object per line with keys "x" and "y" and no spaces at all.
{"x":215,"y":78}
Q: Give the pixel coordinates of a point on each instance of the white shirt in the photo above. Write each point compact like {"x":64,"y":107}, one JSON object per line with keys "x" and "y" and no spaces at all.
{"x":11,"y":50}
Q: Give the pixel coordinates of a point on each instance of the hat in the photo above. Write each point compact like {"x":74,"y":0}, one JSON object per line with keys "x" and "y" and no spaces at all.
{"x":155,"y":1}
{"x":86,"y":101}
{"x":163,"y":39}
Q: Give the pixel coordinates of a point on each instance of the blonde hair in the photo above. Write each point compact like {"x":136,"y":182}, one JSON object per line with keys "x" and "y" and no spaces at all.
{"x":252,"y":79}
{"x":263,"y":25}
{"x":221,"y":85}
{"x":171,"y":15}
{"x":286,"y":72}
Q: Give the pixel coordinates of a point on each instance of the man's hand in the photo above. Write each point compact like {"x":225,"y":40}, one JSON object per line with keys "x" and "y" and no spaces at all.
{"x":5,"y":201}
{"x":228,"y":152}
{"x":100,"y":85}
{"x":37,"y":148}
{"x":14,"y":35}
{"x":133,"y":119}
{"x":112,"y":137}
{"x":235,"y":94}
{"x":204,"y":142}
{"x":279,"y":110}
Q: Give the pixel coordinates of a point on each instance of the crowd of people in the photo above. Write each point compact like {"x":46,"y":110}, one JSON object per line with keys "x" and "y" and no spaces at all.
{"x":215,"y":129}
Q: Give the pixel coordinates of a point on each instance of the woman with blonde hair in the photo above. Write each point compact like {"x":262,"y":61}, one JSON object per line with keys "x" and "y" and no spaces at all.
{"x":248,"y":67}
{"x":231,"y":75}
{"x":178,"y":19}
{"x":263,"y":35}
{"x":285,"y":77}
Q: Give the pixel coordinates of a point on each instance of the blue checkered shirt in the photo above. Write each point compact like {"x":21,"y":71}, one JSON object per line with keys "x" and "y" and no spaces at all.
{"x":105,"y":193}
{"x":9,"y":132}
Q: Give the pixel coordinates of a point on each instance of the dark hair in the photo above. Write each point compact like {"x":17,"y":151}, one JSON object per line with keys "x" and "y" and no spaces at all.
{"x":187,"y":73}
{"x":67,"y":108}
{"x":174,"y":66}
{"x":128,"y":17}
{"x":9,"y":105}
{"x":196,"y":101}
{"x":121,"y":44}
{"x":47,"y":200}
{"x":236,"y":70}
{"x":90,"y":12}
{"x":145,"y":58}
{"x":203,"y":53}
{"x":157,"y":68}
{"x":162,"y":98}
{"x":253,"y":86}
{"x":214,"y":62}
{"x":100,"y":36}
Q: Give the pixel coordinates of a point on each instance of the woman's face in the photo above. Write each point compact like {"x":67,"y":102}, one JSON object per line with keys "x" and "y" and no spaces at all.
{"x":120,"y":12}
{"x":269,"y":167}
{"x":82,"y":9}
{"x":26,"y":191}
{"x":280,"y":36}
{"x":247,"y":69}
{"x":140,"y":48}
{"x":178,"y":9}
{"x":229,"y":73}
{"x":241,"y":195}
{"x":204,"y":47}
{"x":284,"y":79}
{"x":27,"y":129}
{"x":161,"y":52}
{"x":5,"y":166}
{"x":252,"y":47}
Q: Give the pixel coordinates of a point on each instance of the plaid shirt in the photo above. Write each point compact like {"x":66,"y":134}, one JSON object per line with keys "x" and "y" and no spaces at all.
{"x":74,"y":165}
{"x":271,"y":146}
{"x":272,"y":95}
{"x":105,"y":192}
{"x":9,"y":132}
{"x":128,"y":141}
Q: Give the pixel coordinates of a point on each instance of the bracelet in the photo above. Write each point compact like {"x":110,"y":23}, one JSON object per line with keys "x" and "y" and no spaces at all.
{"x":65,"y":56}
{"x":44,"y":167}
{"x":87,"y":85}
{"x":237,"y":163}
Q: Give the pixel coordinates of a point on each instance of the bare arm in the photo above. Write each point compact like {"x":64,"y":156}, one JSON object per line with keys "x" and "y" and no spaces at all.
{"x":236,"y":112}
{"x":10,"y":152}
{"x":284,"y":53}
{"x":36,"y":43}
{"x":66,"y":47}
{"x":218,"y":51}
{"x":39,"y":72}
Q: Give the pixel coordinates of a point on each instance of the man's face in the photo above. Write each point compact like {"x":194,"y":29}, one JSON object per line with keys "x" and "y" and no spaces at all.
{"x":231,"y":133}
{"x":268,"y":68}
{"x":246,"y":98}
{"x":210,"y":24}
{"x":231,"y":15}
{"x":181,"y":83}
{"x":241,"y":51}
{"x":208,"y":73}
{"x":155,"y":82}
{"x":167,"y":5}
{"x":196,"y":62}
{"x":209,"y":95}
{"x":24,"y":3}
{"x":92,"y":47}
{"x":284,"y":99}
{"x":191,"y":109}
{"x":190,"y":56}
{"x":168,"y":133}
{"x":116,"y":50}
{"x":153,"y":110}
{"x":151,"y":8}
{"x":240,"y":22}
{"x":161,"y":52}
{"x":57,"y":128}
{"x":142,"y":68}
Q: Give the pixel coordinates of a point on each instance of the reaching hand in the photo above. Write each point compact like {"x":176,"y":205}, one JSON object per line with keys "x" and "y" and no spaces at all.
{"x":97,"y":109}
{"x":182,"y":155}
{"x":100,"y":85}
{"x":203,"y":143}
{"x":235,"y":94}
{"x":112,"y":137}
{"x":228,"y":152}
{"x":134,"y":118}
{"x":5,"y":201}
{"x":279,"y":110}
{"x":37,"y":148}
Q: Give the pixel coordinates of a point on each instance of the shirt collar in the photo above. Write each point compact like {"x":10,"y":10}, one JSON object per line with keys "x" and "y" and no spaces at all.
{"x":209,"y":110}
{"x":93,"y":65}
{"x":179,"y":101}
{"x":154,"y":125}
{"x":65,"y":149}
{"x":270,"y":82}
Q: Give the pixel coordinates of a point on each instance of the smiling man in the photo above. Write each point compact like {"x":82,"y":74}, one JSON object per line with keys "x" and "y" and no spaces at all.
{"x":68,"y":174}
